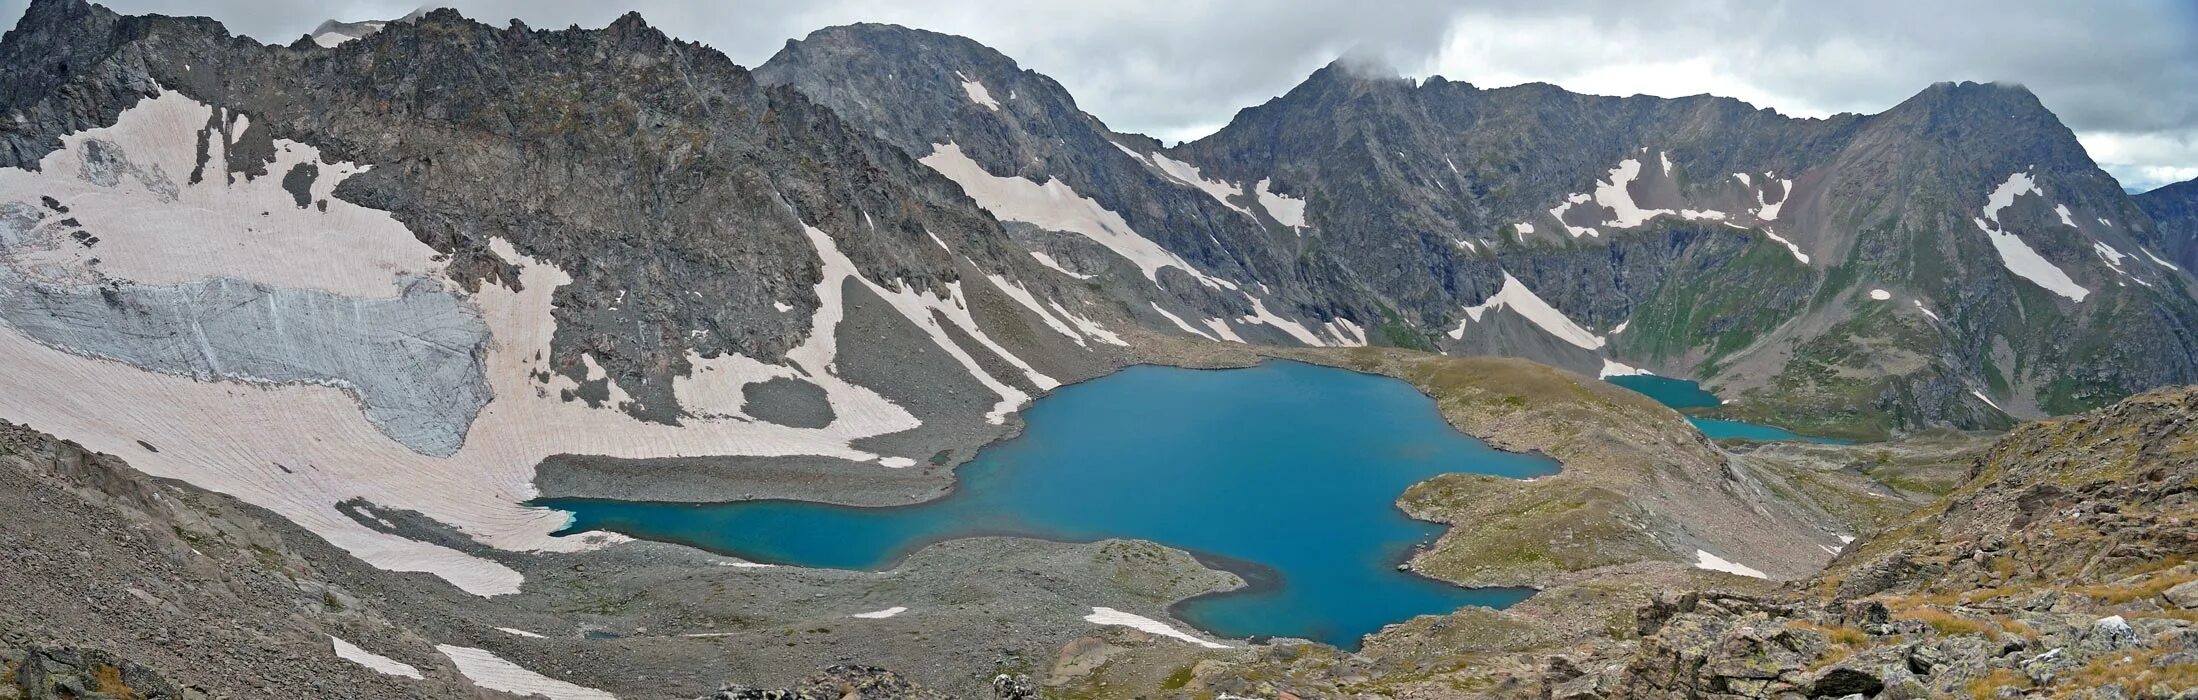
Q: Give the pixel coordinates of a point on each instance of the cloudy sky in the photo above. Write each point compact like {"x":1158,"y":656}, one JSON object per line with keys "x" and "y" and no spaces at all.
{"x":2119,"y":72}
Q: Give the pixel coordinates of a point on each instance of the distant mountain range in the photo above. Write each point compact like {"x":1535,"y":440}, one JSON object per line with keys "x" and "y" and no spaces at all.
{"x":1956,"y":260}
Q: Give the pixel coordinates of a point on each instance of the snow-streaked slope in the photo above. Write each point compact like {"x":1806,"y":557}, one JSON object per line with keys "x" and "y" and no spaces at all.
{"x":1057,"y":207}
{"x":1515,"y":296}
{"x":1189,"y":175}
{"x":1260,"y":315}
{"x":2018,"y":256}
{"x":923,"y":308}
{"x":1180,"y":323}
{"x":1021,"y":295}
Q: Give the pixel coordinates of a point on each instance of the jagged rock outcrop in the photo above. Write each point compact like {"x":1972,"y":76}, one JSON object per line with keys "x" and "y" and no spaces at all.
{"x":69,"y":673}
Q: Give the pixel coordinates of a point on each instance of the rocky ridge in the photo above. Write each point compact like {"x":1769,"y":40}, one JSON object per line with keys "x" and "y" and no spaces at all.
{"x":1827,"y":274}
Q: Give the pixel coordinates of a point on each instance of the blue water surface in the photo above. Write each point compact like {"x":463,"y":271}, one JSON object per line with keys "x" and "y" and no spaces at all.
{"x":1286,"y":472}
{"x":1683,"y":394}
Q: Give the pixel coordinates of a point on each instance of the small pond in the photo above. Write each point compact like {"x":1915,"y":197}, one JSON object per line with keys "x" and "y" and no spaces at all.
{"x":1684,"y":394}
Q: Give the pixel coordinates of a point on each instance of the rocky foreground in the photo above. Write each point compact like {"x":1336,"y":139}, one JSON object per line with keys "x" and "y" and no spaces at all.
{"x":2062,"y":567}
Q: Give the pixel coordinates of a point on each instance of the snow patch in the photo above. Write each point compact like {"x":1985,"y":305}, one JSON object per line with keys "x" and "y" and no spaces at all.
{"x":1111,"y":616}
{"x":490,"y":671}
{"x":1705,"y":560}
{"x":1767,"y":211}
{"x":1621,"y":327}
{"x":1926,"y":310}
{"x":881,"y":614}
{"x":1515,"y":296}
{"x":381,"y":664}
{"x":2062,"y":210}
{"x":2025,"y":262}
{"x":1880,"y":294}
{"x":2157,"y":261}
{"x":1613,"y":368}
{"x":1524,"y":228}
{"x":519,"y":633}
{"x":2113,"y":259}
{"x":1559,"y":214}
{"x":1987,"y":400}
{"x":1616,"y":194}
{"x":2017,"y":256}
{"x":977,"y":92}
{"x":1288,"y":210}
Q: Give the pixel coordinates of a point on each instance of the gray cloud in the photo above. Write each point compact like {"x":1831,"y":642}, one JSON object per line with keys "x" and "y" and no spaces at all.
{"x":2117,"y":71}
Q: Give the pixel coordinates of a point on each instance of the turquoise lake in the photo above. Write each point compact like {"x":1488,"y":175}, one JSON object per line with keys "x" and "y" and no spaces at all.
{"x":1683,"y":394}
{"x":1287,"y":473}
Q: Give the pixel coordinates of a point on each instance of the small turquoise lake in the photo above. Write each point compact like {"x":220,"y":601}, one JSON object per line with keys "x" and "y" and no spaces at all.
{"x":1683,"y":394}
{"x":1287,"y":473}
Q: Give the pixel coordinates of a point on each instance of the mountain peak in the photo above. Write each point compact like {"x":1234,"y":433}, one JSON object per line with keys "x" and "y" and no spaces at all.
{"x":629,"y":22}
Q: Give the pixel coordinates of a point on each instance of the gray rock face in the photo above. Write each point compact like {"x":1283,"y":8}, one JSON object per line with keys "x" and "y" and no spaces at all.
{"x":48,"y":673}
{"x":414,"y":361}
{"x":2175,"y":209}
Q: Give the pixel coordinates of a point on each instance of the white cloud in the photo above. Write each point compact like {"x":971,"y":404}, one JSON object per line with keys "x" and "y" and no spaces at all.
{"x":2143,"y":161}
